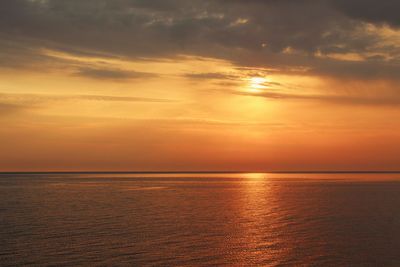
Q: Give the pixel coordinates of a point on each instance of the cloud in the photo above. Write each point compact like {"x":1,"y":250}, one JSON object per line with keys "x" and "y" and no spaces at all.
{"x":370,"y":10}
{"x":10,"y":109}
{"x":268,"y":34}
{"x":111,"y":74}
{"x":211,"y":76}
{"x":119,"y":98}
{"x":30,"y":99}
{"x":331,"y":99}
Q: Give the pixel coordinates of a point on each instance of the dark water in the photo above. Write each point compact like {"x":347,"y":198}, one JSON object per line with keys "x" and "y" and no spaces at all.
{"x":200,"y":219}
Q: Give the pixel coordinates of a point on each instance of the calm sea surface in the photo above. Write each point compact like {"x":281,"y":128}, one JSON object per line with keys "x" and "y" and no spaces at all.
{"x":200,"y":219}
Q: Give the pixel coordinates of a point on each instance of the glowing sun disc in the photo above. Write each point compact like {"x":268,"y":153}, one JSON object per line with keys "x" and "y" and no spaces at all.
{"x":257,"y":83}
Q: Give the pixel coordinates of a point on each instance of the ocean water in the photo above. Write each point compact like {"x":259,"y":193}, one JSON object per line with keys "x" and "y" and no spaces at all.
{"x":200,"y":219}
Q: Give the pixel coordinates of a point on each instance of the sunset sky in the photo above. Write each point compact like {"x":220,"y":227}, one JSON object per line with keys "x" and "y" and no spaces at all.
{"x":199,"y":85}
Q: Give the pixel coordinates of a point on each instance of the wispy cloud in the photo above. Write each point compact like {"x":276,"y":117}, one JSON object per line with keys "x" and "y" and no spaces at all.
{"x":333,"y":99}
{"x":9,"y":109}
{"x":119,"y":98}
{"x":111,"y":73}
{"x":35,"y":98}
{"x":211,"y":76}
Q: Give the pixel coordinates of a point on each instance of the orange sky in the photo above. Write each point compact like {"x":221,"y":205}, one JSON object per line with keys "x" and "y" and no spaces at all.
{"x":79,"y":103}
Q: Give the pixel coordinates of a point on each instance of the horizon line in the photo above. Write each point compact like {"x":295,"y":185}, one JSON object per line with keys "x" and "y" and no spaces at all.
{"x":208,"y":172}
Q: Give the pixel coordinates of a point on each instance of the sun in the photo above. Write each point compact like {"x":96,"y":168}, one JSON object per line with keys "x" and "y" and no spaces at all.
{"x":256,"y":84}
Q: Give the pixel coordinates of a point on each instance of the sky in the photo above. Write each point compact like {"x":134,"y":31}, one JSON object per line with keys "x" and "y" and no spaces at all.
{"x":199,"y":85}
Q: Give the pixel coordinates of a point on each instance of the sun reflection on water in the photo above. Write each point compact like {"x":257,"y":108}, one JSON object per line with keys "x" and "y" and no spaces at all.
{"x":255,"y":176}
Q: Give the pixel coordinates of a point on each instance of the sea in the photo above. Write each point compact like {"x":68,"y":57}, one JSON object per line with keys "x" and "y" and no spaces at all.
{"x":200,"y":219}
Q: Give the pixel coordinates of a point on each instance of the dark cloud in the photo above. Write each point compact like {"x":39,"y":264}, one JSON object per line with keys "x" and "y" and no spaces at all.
{"x":248,"y":33}
{"x":374,"y":11}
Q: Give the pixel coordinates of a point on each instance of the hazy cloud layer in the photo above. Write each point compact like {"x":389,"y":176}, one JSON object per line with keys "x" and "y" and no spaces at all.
{"x":320,"y":36}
